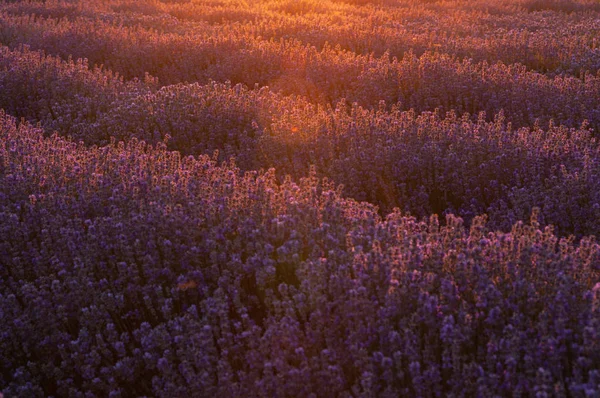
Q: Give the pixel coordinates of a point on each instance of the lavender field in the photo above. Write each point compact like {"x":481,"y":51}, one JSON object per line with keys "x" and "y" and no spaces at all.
{"x":299,"y":198}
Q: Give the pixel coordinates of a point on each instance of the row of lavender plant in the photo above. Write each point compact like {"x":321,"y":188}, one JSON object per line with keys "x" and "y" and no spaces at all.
{"x":426,"y":82}
{"x":423,"y":164}
{"x":133,"y":271}
{"x":554,"y":42}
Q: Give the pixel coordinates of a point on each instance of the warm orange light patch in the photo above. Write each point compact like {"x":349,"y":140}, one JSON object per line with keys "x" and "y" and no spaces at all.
{"x":187,"y":285}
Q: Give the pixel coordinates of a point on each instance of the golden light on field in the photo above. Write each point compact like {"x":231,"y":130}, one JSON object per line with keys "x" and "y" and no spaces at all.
{"x":313,"y":198}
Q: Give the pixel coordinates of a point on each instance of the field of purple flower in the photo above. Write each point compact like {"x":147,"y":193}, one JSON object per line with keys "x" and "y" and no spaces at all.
{"x":311,"y":198}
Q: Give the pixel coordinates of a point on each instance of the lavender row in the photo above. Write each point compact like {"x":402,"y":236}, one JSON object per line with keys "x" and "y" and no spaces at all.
{"x":423,"y":164}
{"x":130,"y":270}
{"x":559,"y":39}
{"x":422,"y":82}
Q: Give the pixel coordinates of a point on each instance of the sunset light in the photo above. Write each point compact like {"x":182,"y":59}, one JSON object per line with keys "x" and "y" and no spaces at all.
{"x":299,"y":198}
